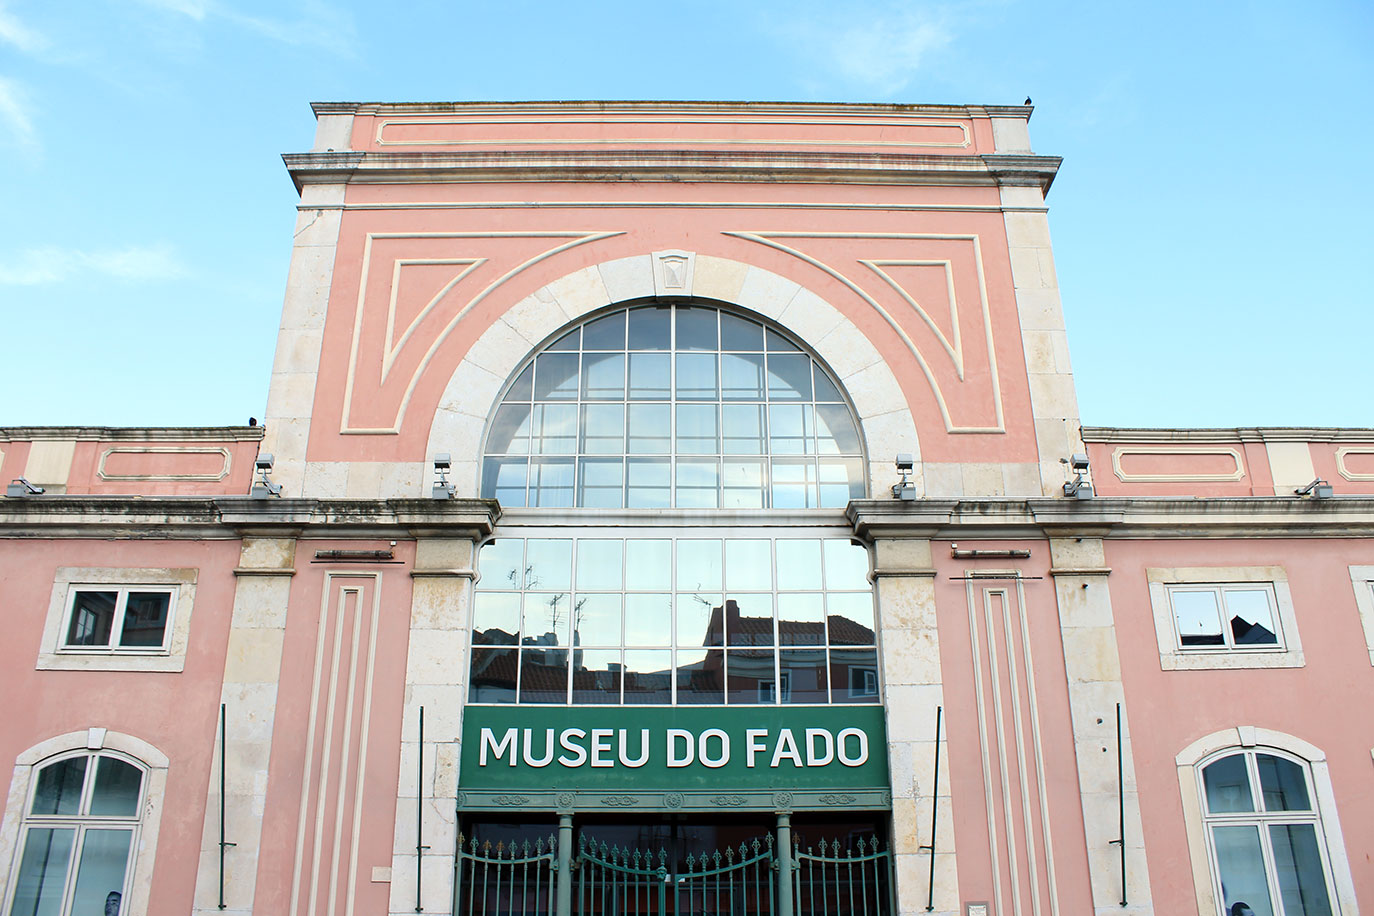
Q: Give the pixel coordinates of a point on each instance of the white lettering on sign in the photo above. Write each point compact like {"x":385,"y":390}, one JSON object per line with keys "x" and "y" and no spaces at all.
{"x":818,"y":747}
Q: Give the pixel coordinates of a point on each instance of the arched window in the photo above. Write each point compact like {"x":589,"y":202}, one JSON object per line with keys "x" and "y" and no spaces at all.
{"x":1264,"y":835}
{"x":80,"y":836}
{"x":673,"y":405}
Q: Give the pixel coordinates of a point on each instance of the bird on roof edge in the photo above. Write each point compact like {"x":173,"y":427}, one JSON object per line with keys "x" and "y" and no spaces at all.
{"x":1028,"y":101}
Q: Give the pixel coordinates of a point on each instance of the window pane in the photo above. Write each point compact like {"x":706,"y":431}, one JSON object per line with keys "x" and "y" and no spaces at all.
{"x":510,"y":430}
{"x":649,"y":620}
{"x":569,"y":341}
{"x":742,"y":425}
{"x":649,"y":430}
{"x":854,"y":674}
{"x":551,"y":482}
{"x":117,"y":786}
{"x":606,"y":333}
{"x":1251,"y":617}
{"x":504,"y":479}
{"x":1242,"y":868}
{"x":696,"y":377}
{"x":700,"y":676}
{"x":496,"y":619}
{"x":698,"y":564}
{"x":548,"y":564}
{"x":596,"y":676}
{"x":779,"y":343}
{"x":803,"y":676}
{"x":751,"y":678}
{"x":849,"y":619}
{"x":1282,"y":784}
{"x":42,"y":872}
{"x":698,"y":483}
{"x":799,"y":564}
{"x":1298,"y":866}
{"x":749,"y":620}
{"x":794,"y":484}
{"x":835,"y":430}
{"x":1199,"y":623}
{"x":603,"y":429}
{"x":600,"y":483}
{"x":554,"y":429}
{"x":700,"y":621}
{"x":100,"y":875}
{"x":598,"y":564}
{"x":842,"y":479}
{"x":501,"y":564}
{"x":789,"y":377}
{"x":603,"y":376}
{"x":1228,"y":785}
{"x":59,"y":787}
{"x":92,"y":617}
{"x":544,"y":676}
{"x":696,"y":329}
{"x":846,"y":565}
{"x":741,"y":376}
{"x":492,"y":679}
{"x":696,"y":430}
{"x":743,"y":484}
{"x":145,"y":619}
{"x":791,"y":429}
{"x":648,"y":676}
{"x":555,"y":377}
{"x":523,"y":387}
{"x":801,"y":619}
{"x":647,"y":483}
{"x":648,"y":564}
{"x":748,"y":565}
{"x":597,"y":620}
{"x":649,"y":377}
{"x":738,"y":333}
{"x":825,"y":388}
{"x":649,"y":328}
{"x":546,"y":619}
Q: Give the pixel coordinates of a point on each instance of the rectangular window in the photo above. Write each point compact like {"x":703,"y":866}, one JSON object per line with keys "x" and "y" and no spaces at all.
{"x":1224,"y":617}
{"x":132,"y":619}
{"x":1238,"y":616}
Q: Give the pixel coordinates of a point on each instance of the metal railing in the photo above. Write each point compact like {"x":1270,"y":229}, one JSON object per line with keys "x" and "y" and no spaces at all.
{"x":501,"y":880}
{"x":720,"y":884}
{"x":856,"y":881}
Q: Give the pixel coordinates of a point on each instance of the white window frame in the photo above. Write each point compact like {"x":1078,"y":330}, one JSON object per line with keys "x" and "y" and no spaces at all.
{"x":1362,"y":580}
{"x":54,"y":654}
{"x":1173,"y":656}
{"x":153,"y":763}
{"x":1195,"y":756}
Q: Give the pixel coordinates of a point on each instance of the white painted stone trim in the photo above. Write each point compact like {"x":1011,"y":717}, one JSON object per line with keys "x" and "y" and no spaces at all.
{"x":68,"y":578}
{"x":473,"y":391}
{"x":1256,"y":737}
{"x":1172,"y":657}
{"x":1362,"y":580}
{"x":152,"y":761}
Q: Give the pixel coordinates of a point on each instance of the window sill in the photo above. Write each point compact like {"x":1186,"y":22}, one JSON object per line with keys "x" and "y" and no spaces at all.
{"x":53,"y":661}
{"x":1206,"y":661}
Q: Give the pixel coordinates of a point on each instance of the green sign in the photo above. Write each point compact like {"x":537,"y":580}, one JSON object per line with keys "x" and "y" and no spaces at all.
{"x":644,"y":748}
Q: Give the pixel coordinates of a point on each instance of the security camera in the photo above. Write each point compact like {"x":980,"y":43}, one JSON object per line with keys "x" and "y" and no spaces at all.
{"x":905,"y":462}
{"x":1079,"y":463}
{"x":20,"y":486}
{"x":263,"y":462}
{"x":442,"y":461}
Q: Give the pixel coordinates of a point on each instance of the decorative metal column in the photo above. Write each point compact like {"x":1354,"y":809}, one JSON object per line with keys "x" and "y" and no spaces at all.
{"x":785,"y":906}
{"x":565,"y":876}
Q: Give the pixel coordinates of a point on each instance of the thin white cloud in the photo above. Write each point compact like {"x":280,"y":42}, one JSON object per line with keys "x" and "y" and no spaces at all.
{"x":319,"y":24}
{"x":51,"y":265}
{"x":881,"y":50}
{"x":14,"y":115}
{"x":13,"y":32}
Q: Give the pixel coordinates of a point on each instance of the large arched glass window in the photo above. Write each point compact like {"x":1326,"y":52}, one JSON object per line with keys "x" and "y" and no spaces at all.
{"x":1264,"y":835}
{"x":673,"y":405}
{"x":80,"y":837}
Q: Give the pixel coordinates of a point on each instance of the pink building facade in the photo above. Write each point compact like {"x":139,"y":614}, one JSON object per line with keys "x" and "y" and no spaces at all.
{"x":678,"y":507}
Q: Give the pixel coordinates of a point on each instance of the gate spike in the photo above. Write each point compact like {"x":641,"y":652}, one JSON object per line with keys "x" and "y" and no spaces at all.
{"x":756,"y":845}
{"x":729,"y":855}
{"x":662,"y":857}
{"x":538,"y":845}
{"x":636,"y":859}
{"x":461,"y":839}
{"x":715,"y":858}
{"x":691,"y":861}
{"x":768,"y":841}
{"x":862,"y":846}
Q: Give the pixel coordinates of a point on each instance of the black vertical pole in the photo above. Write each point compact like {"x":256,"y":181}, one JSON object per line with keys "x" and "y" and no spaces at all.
{"x":420,"y":813}
{"x":223,"y":752}
{"x":1121,"y":803}
{"x":934,"y":810}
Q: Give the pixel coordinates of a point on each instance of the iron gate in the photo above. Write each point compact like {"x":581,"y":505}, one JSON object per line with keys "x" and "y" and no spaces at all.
{"x":522,"y":878}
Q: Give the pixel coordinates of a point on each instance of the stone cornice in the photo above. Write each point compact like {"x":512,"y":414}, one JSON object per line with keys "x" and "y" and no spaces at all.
{"x":658,"y":165}
{"x":1238,"y":434}
{"x":815,"y":109}
{"x":179,"y":518}
{"x":132,"y":433}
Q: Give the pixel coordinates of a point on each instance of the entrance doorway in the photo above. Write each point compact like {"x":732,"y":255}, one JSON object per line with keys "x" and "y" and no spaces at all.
{"x":676,"y":865}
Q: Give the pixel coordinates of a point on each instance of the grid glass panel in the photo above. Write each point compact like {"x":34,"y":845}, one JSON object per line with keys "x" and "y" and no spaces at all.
{"x":746,"y":620}
{"x":662,"y":406}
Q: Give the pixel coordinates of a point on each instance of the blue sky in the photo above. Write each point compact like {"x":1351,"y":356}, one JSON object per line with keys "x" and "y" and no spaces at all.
{"x":1210,"y":221}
